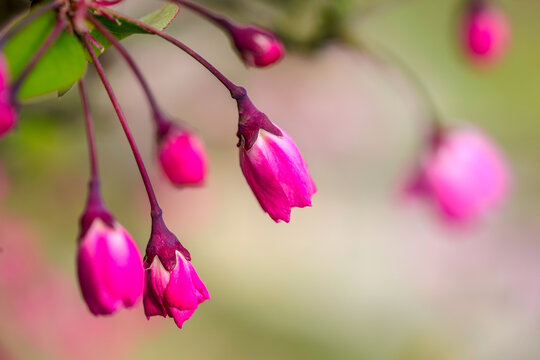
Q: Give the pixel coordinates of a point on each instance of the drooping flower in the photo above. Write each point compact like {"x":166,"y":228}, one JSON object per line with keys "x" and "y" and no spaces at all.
{"x":109,"y":265}
{"x":173,"y":287}
{"x":182,"y":157}
{"x":272,"y":164}
{"x":256,"y":46}
{"x":464,"y":173}
{"x":485,"y":32}
{"x":8,"y":113}
{"x":175,"y":293}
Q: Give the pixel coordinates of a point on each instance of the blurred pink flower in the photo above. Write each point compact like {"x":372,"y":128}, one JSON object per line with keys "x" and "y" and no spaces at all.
{"x":110,"y":268}
{"x":464,"y":173}
{"x":277,"y":174}
{"x":8,"y":113}
{"x":485,"y":32}
{"x":175,"y":293}
{"x":183,"y":158}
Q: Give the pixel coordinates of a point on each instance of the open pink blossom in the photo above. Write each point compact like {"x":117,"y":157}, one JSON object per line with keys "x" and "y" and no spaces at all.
{"x":110,"y":268}
{"x":8,"y":113}
{"x":258,"y":47}
{"x":485,"y":32}
{"x":277,"y":174}
{"x":464,"y":174}
{"x":183,"y":158}
{"x":176,"y":293}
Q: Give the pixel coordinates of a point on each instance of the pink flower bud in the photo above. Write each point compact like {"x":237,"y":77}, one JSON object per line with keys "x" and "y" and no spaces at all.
{"x":258,"y":47}
{"x":277,"y":174}
{"x":176,"y":293}
{"x":464,"y":174}
{"x":8,"y":113}
{"x":272,"y":163}
{"x":485,"y":32}
{"x":110,"y":267}
{"x":182,"y":157}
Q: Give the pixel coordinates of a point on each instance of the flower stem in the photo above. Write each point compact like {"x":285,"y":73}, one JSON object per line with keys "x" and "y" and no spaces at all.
{"x":236,"y":91}
{"x":386,"y":58}
{"x":217,"y":19}
{"x":16,"y":86}
{"x":94,"y":172}
{"x":155,"y":209}
{"x":94,"y":203}
{"x":17,"y":26}
{"x":158,"y":117}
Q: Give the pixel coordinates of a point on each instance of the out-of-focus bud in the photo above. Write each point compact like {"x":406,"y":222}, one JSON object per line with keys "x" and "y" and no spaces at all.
{"x":182,"y":157}
{"x":109,"y":264}
{"x":464,"y":173}
{"x":8,"y":113}
{"x":256,"y":46}
{"x":272,"y":164}
{"x":485,"y":32}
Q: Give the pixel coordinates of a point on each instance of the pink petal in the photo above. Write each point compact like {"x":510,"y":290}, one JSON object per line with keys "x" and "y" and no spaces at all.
{"x":180,"y":316}
{"x":181,"y":292}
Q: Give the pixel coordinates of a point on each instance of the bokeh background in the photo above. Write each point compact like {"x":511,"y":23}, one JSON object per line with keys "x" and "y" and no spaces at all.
{"x":361,"y":275}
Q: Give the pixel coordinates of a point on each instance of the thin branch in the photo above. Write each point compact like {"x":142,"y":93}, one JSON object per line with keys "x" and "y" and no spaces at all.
{"x":155,"y":209}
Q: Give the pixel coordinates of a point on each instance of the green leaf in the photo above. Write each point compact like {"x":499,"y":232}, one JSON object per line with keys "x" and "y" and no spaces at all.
{"x":161,"y":18}
{"x":60,"y":67}
{"x":64,"y":91}
{"x":123,"y":28}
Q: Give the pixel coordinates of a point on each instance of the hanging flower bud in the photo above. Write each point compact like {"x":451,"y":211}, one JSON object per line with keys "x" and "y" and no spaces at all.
{"x":256,"y":46}
{"x":182,"y":157}
{"x":173,"y":287}
{"x":8,"y":113}
{"x":109,"y":265}
{"x":485,"y":32}
{"x":272,"y":164}
{"x":464,"y":174}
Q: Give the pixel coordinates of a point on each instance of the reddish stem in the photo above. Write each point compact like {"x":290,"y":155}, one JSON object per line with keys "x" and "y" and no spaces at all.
{"x":95,"y":208}
{"x":158,"y":117}
{"x":237,"y":92}
{"x":94,"y":175}
{"x":155,"y":209}
{"x":215,"y":18}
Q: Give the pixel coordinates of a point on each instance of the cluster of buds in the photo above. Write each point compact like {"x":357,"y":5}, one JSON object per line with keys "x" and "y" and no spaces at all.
{"x":462,"y":171}
{"x":112,"y":273}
